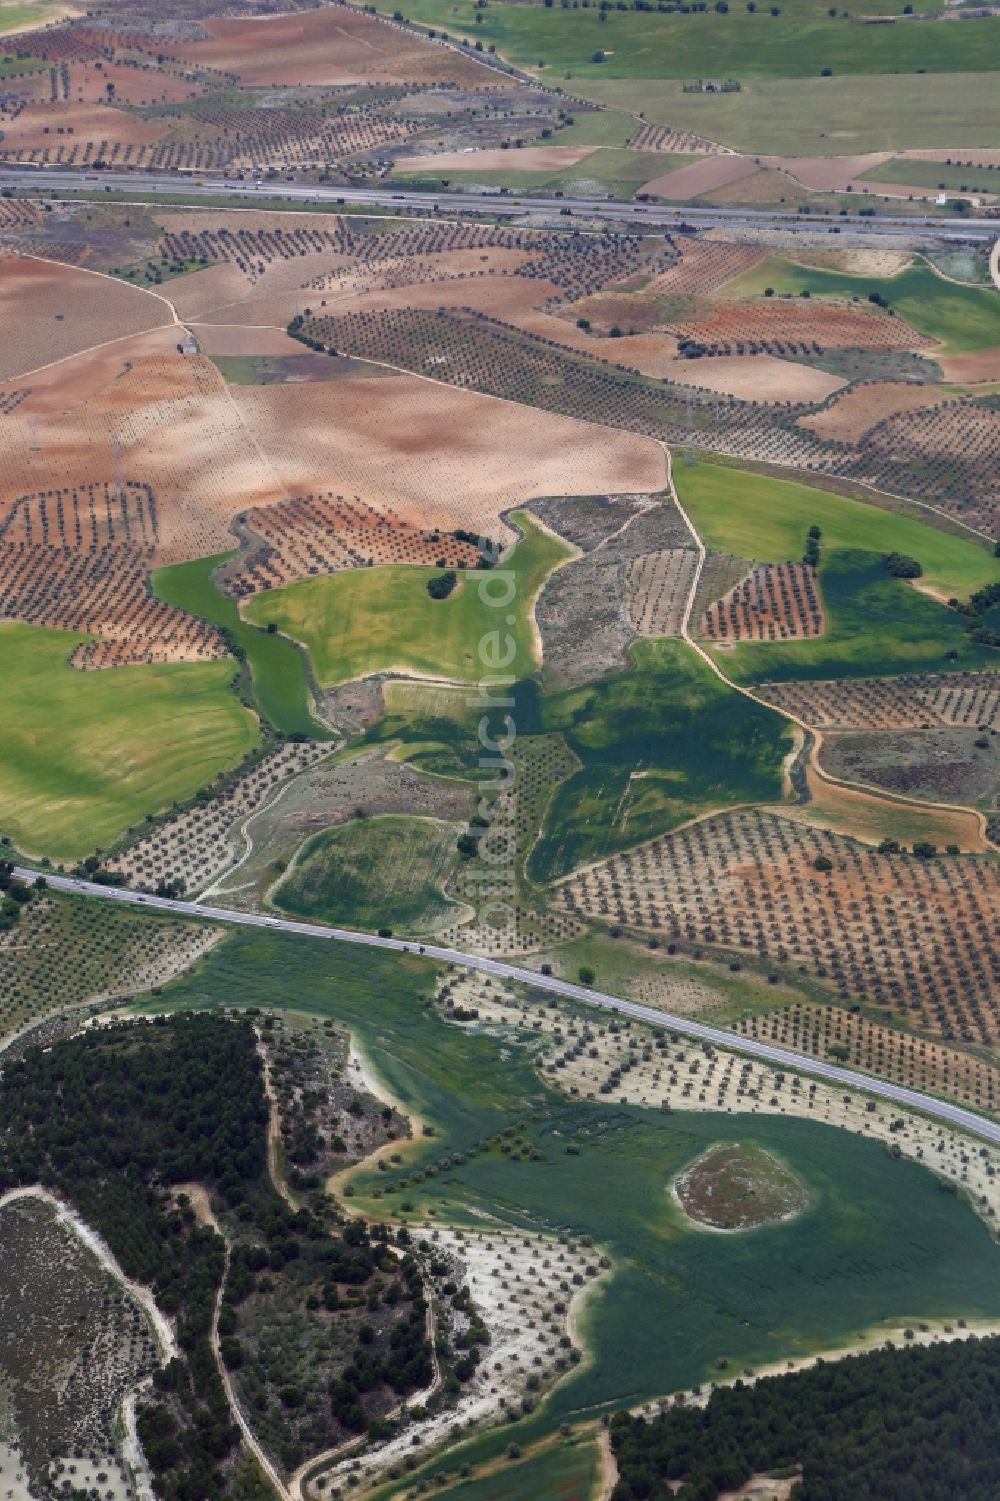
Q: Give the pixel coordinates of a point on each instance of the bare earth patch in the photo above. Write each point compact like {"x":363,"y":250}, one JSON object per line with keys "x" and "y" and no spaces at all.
{"x":982,"y":366}
{"x":700,"y":177}
{"x":755,"y":377}
{"x":737,"y":1186}
{"x":851,"y":415}
{"x":520,"y":159}
{"x":828,"y":174}
{"x":331,"y":45}
{"x":51,"y":126}
{"x":49,"y":311}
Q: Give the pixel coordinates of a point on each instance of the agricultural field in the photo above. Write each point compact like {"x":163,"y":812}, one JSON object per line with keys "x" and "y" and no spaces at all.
{"x":800,"y":41}
{"x":602,"y":592}
{"x":279,"y":674}
{"x":770,"y":521}
{"x":357,"y":622}
{"x":374,"y":870}
{"x":86,"y":755}
{"x":962,"y":319}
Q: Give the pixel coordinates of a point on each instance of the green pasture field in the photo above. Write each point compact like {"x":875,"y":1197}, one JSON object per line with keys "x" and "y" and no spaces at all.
{"x":278,"y":670}
{"x":876,"y":626}
{"x":798,"y":43}
{"x":879,"y":1240}
{"x":11,"y":66}
{"x":566,"y":1469}
{"x":659,"y":744}
{"x":963,"y":318}
{"x":755,"y":516}
{"x":919,"y":174}
{"x":86,"y":754}
{"x":16,"y":14}
{"x":620,"y":170}
{"x":387,"y":871}
{"x":605,"y":127}
{"x":818,"y":116}
{"x":370,"y":619}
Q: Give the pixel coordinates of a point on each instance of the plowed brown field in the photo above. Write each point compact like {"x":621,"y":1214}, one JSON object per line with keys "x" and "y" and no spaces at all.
{"x":862,"y":406}
{"x":332,"y":45}
{"x":49,"y":311}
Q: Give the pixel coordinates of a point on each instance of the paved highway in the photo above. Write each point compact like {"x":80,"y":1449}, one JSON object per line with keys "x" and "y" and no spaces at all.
{"x":953,"y":1115}
{"x":636,"y":216}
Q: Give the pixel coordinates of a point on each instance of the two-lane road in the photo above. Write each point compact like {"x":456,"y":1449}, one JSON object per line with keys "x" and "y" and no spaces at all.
{"x":952,"y":1115}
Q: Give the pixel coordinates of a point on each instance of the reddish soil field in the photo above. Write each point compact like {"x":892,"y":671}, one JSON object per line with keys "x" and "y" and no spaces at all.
{"x":970,"y":368}
{"x":652,"y":353}
{"x":50,"y":311}
{"x":828,"y":174}
{"x":332,"y":45}
{"x":892,"y":930}
{"x":88,"y":83}
{"x":885,"y":1051}
{"x":852,"y":414}
{"x":57,"y":131}
{"x":779,"y":320}
{"x":700,"y":177}
{"x":323,"y":533}
{"x":706,"y":265}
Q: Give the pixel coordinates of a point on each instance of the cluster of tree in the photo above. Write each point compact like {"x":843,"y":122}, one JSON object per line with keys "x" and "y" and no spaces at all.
{"x":405,"y":1366}
{"x":897,"y":1423}
{"x":442,"y":584}
{"x":980,"y":604}
{"x":810,"y":553}
{"x":902,"y":567}
{"x":14,"y":894}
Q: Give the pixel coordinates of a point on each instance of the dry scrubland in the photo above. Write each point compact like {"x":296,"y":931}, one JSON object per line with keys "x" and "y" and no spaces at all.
{"x":194,"y":846}
{"x":76,"y":1345}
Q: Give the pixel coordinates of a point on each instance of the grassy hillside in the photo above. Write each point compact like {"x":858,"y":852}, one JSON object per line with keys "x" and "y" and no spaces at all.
{"x":85,"y":754}
{"x":370,"y":619}
{"x":754,"y":516}
{"x":278,"y":671}
{"x":375,"y":872}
